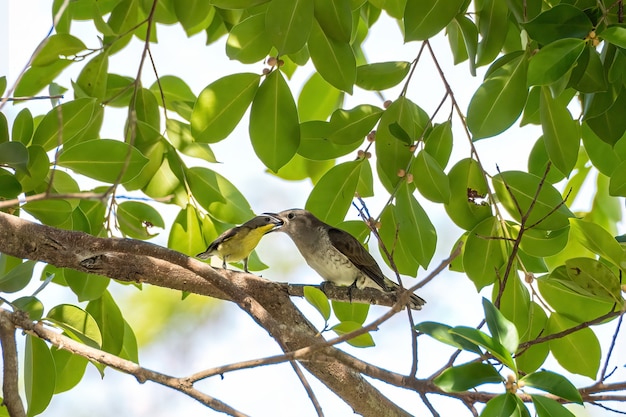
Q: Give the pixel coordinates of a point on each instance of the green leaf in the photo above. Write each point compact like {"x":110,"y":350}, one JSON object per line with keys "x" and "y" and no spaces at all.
{"x":288,"y":23}
{"x":392,"y":154}
{"x":3,"y":85}
{"x":601,"y":154}
{"x":554,"y":60}
{"x":381,"y":75}
{"x":23,"y":127}
{"x":554,"y":384}
{"x":9,"y":186}
{"x":37,"y":169}
{"x":136,"y":218}
{"x":104,"y":160}
{"x":403,"y":252}
{"x":107,"y":314}
{"x":50,"y":212}
{"x":504,"y":405}
{"x":218,"y":196}
{"x":119,"y":90}
{"x":500,"y":328}
{"x":274,"y":128}
{"x":58,"y":46}
{"x":431,"y":182}
{"x":548,"y":211}
{"x":531,"y":359}
{"x":492,"y":21}
{"x":466,"y":212}
{"x":464,"y":377}
{"x":558,"y":22}
{"x":414,"y":226}
{"x":92,"y":80}
{"x":481,"y":339}
{"x":364,"y":340}
{"x":335,"y":18}
{"x":438,"y":143}
{"x":318,"y":99}
{"x":17,"y":277}
{"x":485,"y":253}
{"x":597,"y":239}
{"x":179,"y":134}
{"x":615,"y":34}
{"x":348,"y":126}
{"x":79,"y":119}
{"x":318,"y":299}
{"x":610,"y":125}
{"x":39,"y":375}
{"x":441,"y":332}
{"x":221,"y":105}
{"x":30,"y":305}
{"x":76,"y":323}
{"x":560,"y":132}
{"x":617,"y":185}
{"x":178,"y":95}
{"x":70,"y":369}
{"x":87,"y":287}
{"x":315,"y":145}
{"x":577,"y":352}
{"x":425,"y":18}
{"x":499,"y":101}
{"x":332,"y":196}
{"x":352,"y":312}
{"x":187,"y":231}
{"x":595,"y":278}
{"x":248,"y":41}
{"x":514,"y":304}
{"x":15,"y":155}
{"x":334,"y":60}
{"x":547,"y":407}
{"x":569,"y":299}
{"x":36,"y":79}
{"x":193,"y":15}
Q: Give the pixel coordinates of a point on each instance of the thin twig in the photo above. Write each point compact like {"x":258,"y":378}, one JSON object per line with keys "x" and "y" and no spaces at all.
{"x":307,"y":387}
{"x":608,"y":355}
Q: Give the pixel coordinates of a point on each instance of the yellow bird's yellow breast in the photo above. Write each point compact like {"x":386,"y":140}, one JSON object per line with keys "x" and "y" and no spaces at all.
{"x":240,"y":245}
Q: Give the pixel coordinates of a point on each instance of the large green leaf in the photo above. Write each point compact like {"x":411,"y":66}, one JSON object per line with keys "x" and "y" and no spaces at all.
{"x":107,"y":314}
{"x":274,"y":127}
{"x":403,"y":251}
{"x":335,"y":18}
{"x":414,"y":227}
{"x":554,"y":384}
{"x":318,"y":99}
{"x":425,"y":18}
{"x":77,"y":324}
{"x":70,"y":369}
{"x":559,"y":22}
{"x":39,"y":375}
{"x":467,"y":187}
{"x":317,"y":299}
{"x":348,"y":126}
{"x":393,"y":154}
{"x":501,"y":329}
{"x":87,"y":287}
{"x":218,"y":196}
{"x":493,"y":23}
{"x":518,"y":191}
{"x":554,"y":60}
{"x":485,"y":253}
{"x":441,"y":332}
{"x":438,"y":143}
{"x":431,"y":182}
{"x":364,"y":340}
{"x":92,"y":80}
{"x":221,"y":106}
{"x":500,"y":99}
{"x":381,"y":75}
{"x":547,"y":407}
{"x":57,"y":46}
{"x":186,"y":235}
{"x":72,"y":121}
{"x":332,"y":196}
{"x":494,"y":347}
{"x":287,"y":23}
{"x":577,"y":352}
{"x":136,"y":218}
{"x":467,"y":376}
{"x":334,"y":60}
{"x":104,"y":160}
{"x":248,"y":41}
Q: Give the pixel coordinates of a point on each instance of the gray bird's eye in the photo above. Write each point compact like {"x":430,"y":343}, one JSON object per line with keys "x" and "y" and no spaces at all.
{"x":291,"y":215}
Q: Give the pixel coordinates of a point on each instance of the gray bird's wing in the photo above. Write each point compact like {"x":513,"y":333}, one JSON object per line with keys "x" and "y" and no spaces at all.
{"x":360,"y":257}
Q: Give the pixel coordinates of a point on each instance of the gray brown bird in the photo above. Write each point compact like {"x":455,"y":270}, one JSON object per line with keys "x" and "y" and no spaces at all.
{"x":237,"y":243}
{"x":335,"y":254}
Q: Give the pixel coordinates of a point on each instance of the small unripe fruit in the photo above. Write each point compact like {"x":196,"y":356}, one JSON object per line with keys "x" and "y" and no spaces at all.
{"x":401,"y":173}
{"x":272,"y":61}
{"x":371,"y":137}
{"x":387,"y":103}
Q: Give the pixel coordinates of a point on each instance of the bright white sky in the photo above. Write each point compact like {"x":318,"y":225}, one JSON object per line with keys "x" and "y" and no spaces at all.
{"x":232,"y":336}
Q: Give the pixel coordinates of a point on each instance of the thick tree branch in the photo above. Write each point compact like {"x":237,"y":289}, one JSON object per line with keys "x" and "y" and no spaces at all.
{"x":10,"y":375}
{"x":134,"y":261}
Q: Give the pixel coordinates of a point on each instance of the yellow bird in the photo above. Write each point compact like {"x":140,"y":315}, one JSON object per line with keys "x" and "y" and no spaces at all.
{"x":237,"y":243}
